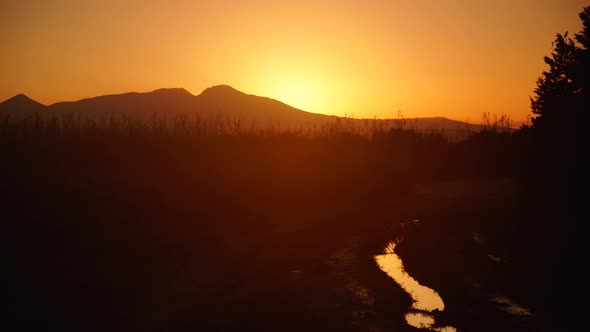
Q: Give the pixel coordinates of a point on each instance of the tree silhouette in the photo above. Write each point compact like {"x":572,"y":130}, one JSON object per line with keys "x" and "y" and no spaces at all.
{"x":554,"y":146}
{"x":562,"y":92}
{"x":555,"y":93}
{"x":582,"y":75}
{"x":552,"y":157}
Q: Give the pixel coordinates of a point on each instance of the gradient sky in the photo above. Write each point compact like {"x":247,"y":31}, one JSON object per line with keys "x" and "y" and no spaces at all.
{"x":452,"y":58}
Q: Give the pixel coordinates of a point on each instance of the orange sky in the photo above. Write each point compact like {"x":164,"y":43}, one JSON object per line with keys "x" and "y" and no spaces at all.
{"x":453,"y":58}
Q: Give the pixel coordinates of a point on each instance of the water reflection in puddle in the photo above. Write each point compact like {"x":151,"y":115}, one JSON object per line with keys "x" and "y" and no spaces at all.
{"x":424,"y":299}
{"x":423,"y":320}
{"x":510,"y":307}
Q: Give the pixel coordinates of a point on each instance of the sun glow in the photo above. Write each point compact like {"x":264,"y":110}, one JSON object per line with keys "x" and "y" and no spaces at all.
{"x":298,"y":93}
{"x":365,"y":58}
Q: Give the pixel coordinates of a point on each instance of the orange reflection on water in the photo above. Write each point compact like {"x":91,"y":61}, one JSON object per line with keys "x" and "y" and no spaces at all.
{"x":424,"y":299}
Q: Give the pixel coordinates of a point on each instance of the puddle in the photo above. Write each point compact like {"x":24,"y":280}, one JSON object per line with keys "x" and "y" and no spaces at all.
{"x":424,"y":299}
{"x":510,"y":307}
{"x":477,"y":238}
{"x":423,"y":320}
{"x":496,"y":259}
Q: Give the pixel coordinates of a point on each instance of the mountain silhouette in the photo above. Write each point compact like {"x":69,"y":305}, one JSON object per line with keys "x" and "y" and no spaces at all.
{"x":22,"y":104}
{"x":221,"y":102}
{"x":227,"y":101}
{"x":164,"y":101}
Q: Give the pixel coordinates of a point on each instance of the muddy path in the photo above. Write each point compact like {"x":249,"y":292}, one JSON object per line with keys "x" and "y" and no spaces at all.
{"x":458,"y":248}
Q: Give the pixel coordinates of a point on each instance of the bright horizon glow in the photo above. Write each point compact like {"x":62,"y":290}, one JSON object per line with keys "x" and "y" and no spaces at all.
{"x":457,"y":58}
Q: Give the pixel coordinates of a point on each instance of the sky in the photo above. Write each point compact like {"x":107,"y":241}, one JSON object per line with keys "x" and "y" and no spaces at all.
{"x":453,"y":58}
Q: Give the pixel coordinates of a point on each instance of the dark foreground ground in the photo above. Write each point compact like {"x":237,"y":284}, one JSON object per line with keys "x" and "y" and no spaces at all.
{"x":140,"y":237}
{"x":299,"y":272}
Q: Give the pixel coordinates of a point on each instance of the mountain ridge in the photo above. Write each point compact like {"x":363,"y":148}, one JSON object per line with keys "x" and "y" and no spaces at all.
{"x":22,"y":103}
{"x":214,"y":101}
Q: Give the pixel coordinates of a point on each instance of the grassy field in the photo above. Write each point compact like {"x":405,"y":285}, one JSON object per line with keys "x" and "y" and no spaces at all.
{"x":133,"y":229}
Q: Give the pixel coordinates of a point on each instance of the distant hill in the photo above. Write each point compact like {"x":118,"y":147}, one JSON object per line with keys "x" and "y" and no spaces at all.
{"x":21,"y":104}
{"x":220,"y":102}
